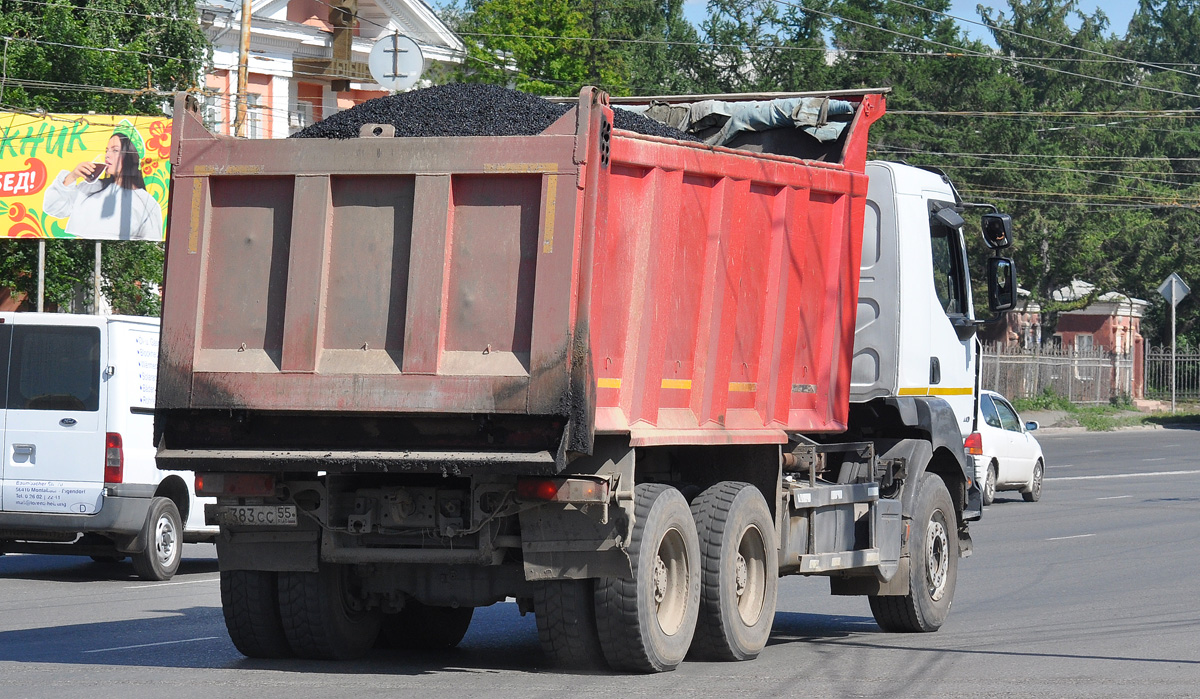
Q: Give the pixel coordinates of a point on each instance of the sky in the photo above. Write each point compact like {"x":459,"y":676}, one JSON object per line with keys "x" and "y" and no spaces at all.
{"x":1119,"y":12}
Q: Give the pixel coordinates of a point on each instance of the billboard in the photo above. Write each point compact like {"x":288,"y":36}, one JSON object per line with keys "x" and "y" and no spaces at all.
{"x":84,"y":176}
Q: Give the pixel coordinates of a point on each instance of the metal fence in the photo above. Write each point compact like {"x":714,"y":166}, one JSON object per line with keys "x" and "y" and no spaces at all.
{"x":1158,"y":373}
{"x":1081,"y":376}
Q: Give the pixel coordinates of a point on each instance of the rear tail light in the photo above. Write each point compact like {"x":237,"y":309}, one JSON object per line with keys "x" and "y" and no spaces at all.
{"x":114,"y":458}
{"x":562,"y":490}
{"x":235,"y":484}
{"x":974,"y":444}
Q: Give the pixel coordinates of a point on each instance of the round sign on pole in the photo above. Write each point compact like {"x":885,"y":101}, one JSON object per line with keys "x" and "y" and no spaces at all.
{"x":396,"y":62}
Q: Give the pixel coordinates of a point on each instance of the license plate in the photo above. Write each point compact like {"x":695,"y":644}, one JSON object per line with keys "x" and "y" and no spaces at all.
{"x":259,"y":516}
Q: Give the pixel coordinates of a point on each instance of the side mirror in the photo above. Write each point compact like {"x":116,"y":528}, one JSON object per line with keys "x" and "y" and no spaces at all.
{"x":1031,"y":426}
{"x":997,"y":230}
{"x":1002,"y":284}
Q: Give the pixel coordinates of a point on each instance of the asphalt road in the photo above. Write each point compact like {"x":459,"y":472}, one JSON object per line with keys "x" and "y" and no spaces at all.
{"x":1090,"y":592}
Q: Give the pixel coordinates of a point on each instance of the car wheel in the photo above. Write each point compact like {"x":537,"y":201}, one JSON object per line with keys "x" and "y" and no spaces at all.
{"x":989,"y":485}
{"x":1035,"y":487}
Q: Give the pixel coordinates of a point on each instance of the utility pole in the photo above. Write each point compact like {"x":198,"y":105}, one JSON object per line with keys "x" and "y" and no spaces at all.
{"x":239,"y":122}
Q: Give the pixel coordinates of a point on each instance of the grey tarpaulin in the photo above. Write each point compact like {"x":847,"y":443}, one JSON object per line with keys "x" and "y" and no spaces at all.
{"x":719,"y":122}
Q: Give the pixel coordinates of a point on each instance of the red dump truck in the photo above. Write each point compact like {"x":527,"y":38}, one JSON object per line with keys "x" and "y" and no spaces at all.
{"x":627,"y":380}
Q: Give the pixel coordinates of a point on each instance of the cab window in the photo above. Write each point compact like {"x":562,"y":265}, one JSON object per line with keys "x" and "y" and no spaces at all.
{"x":948,"y":276}
{"x":54,"y":368}
{"x":1008,"y":416}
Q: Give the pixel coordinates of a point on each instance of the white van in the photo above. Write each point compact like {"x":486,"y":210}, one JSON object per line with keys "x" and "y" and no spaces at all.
{"x":77,"y":474}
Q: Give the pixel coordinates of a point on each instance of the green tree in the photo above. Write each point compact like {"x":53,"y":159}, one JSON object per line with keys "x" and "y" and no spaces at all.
{"x":108,"y":57}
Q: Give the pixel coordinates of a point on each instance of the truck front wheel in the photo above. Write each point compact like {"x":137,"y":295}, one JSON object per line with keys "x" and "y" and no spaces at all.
{"x":646,"y":623}
{"x":933,"y":565}
{"x":250,"y":603}
{"x":740,"y":572}
{"x":321,"y":619}
{"x":566,"y":623}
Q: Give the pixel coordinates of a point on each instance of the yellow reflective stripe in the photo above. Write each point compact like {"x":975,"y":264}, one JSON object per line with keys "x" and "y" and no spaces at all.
{"x":932,"y":391}
{"x":951,"y":391}
{"x":608,"y":383}
{"x":684,"y":384}
{"x":743,"y":387}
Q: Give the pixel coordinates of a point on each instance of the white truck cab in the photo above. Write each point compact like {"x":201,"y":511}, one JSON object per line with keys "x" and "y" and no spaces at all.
{"x":77,"y":471}
{"x":915,"y":340}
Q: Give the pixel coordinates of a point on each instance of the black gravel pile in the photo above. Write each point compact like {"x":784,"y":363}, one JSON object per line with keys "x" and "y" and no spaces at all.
{"x":465,"y":110}
{"x":631,"y":121}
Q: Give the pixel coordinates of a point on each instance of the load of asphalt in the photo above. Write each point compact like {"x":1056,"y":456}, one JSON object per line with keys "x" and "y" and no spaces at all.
{"x":462,"y":109}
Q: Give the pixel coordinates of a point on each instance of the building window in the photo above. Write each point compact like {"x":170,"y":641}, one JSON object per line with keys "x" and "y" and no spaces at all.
{"x":1083,"y":343}
{"x":301,"y":117}
{"x":253,"y":115}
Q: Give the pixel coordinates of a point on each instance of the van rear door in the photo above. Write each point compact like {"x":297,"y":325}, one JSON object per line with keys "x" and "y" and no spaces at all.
{"x":53,"y":459}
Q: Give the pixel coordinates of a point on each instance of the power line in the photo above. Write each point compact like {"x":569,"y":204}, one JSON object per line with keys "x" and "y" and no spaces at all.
{"x":1115,"y":158}
{"x":979,"y":53}
{"x":995,"y":27}
{"x":174,"y":18}
{"x":103,"y":49}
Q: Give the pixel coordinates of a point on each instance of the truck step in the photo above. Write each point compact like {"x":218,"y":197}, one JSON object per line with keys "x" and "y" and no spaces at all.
{"x":804,"y":496}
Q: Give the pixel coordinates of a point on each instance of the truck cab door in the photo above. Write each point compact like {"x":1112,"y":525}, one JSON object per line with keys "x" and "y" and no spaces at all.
{"x":951,"y":320}
{"x":53,"y":458}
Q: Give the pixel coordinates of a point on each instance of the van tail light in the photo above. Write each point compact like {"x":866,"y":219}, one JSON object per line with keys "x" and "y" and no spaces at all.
{"x":235,"y":484}
{"x":114,"y":458}
{"x":974,"y":444}
{"x":562,"y":490}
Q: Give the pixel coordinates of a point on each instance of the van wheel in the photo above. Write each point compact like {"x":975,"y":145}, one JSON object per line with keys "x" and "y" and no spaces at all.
{"x":250,"y":603}
{"x":164,"y":542}
{"x":740,"y":572}
{"x":425,"y":627}
{"x":933,"y":565}
{"x":646,"y":623}
{"x":322,"y":620}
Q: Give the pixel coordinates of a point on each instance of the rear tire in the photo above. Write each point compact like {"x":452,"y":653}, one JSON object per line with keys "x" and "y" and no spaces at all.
{"x":933,"y":565}
{"x":646,"y":623}
{"x":423,"y":627}
{"x":1035,"y":489}
{"x":250,"y":603}
{"x":566,"y":623}
{"x":319,"y":617}
{"x":740,"y":572}
{"x":989,"y":486}
{"x":163,"y":533}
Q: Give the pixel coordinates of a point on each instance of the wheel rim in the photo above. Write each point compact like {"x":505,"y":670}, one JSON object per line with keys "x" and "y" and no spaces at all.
{"x":990,"y":485}
{"x":750,"y":577}
{"x":1037,"y":480}
{"x":937,"y":556}
{"x":166,"y":541}
{"x":670,"y":581}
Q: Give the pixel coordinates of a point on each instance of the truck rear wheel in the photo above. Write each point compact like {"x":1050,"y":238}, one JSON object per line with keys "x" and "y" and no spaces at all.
{"x":566,"y":622}
{"x":739,"y":572}
{"x":423,"y":627}
{"x":250,"y":603}
{"x":164,"y":542}
{"x":933,"y":565}
{"x":321,"y":620}
{"x":646,"y":623}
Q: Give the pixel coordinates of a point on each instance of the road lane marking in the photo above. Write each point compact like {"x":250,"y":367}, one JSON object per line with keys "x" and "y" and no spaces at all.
{"x":1115,"y":497}
{"x":149,"y":645}
{"x":1077,"y":536}
{"x":168,"y":584}
{"x":1123,"y":475}
{"x":1161,"y":458}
